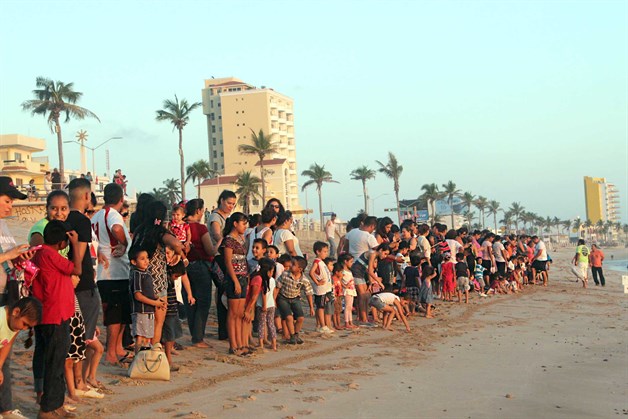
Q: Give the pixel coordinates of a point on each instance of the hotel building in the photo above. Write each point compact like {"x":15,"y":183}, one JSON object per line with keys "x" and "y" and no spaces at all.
{"x":601,"y":200}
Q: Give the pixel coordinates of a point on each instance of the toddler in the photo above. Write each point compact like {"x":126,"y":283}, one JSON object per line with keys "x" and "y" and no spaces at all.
{"x":426,"y":295}
{"x":338,"y":294}
{"x":265,"y":308}
{"x":348,"y":286}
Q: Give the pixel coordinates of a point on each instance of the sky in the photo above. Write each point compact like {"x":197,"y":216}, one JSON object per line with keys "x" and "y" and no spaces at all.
{"x":512,"y":100}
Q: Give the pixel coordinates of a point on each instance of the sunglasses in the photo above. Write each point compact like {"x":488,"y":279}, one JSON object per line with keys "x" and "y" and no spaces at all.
{"x":125,"y":214}
{"x":274,"y":206}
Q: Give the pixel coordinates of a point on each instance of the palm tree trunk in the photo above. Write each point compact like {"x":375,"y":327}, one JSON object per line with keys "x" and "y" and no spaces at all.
{"x":320,"y":207}
{"x":366,"y":209}
{"x":495,"y":221}
{"x":398,"y":209}
{"x":451,"y":205}
{"x":198,"y":187}
{"x":182,"y":164}
{"x":60,"y":150}
{"x":261,"y":170}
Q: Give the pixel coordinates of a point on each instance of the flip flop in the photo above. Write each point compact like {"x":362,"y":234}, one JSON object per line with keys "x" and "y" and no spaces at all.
{"x":127,"y":358}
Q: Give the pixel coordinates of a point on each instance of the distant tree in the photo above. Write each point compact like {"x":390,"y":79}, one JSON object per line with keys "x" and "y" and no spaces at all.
{"x":431,"y":194}
{"x":516,"y":210}
{"x":247,"y":189}
{"x":178,"y":114}
{"x":392,"y":169}
{"x":493,"y":209}
{"x":262,"y":146}
{"x":481,"y":204}
{"x":450,"y":191}
{"x":54,"y":99}
{"x":467,"y":199}
{"x":197,"y":172}
{"x":172,"y":191}
{"x":318,"y":175}
{"x":363,"y":173}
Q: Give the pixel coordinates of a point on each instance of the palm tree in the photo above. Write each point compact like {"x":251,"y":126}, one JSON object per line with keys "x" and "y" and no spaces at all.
{"x":431,"y":194}
{"x":159,"y":195}
{"x":450,"y":192}
{"x":517,"y":209}
{"x":197,"y":172}
{"x":392,"y":169}
{"x":172,"y":191}
{"x":53,"y":99}
{"x":507,"y":220}
{"x":248,"y":188}
{"x":363,"y":173}
{"x":587,"y":226}
{"x":481,"y":203}
{"x":493,"y":208}
{"x":577,"y":225}
{"x":178,"y":114}
{"x":467,"y":199}
{"x":262,"y":146}
{"x":468,"y":216}
{"x":566,"y":225}
{"x":556,"y":223}
{"x":318,"y":175}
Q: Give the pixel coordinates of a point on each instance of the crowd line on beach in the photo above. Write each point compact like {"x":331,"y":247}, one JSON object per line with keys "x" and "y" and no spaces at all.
{"x":146,"y":274}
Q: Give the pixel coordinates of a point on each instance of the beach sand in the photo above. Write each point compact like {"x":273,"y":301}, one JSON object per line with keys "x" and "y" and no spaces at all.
{"x":559,"y":351}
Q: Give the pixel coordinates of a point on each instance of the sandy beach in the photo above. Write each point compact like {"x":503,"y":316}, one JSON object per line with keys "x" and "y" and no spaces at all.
{"x":559,"y":351}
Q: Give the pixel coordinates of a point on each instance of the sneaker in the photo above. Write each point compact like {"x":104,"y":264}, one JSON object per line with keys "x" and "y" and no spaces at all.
{"x":327,"y":330}
{"x":298,"y":339}
{"x":320,"y":330}
{"x":91,"y":393}
{"x":14,"y":414}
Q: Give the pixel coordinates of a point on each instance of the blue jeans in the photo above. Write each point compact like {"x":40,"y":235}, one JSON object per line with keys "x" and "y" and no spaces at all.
{"x":56,"y":340}
{"x":332,"y":247}
{"x":201,"y":285}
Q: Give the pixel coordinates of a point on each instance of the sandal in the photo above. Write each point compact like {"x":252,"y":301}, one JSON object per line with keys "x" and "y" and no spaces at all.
{"x":127,"y":358}
{"x":234,"y":351}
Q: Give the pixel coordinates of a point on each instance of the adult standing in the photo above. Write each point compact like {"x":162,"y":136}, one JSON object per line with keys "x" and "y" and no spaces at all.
{"x":499,"y":253}
{"x":215,"y":226}
{"x":154,"y":238}
{"x":284,"y":238}
{"x":581,"y":262}
{"x":137,"y":218}
{"x":539,"y":260}
{"x":330,"y":233}
{"x":55,"y":177}
{"x":47,"y":182}
{"x":113,"y":271}
{"x":200,"y":256}
{"x":596,"y":258}
{"x":275,"y":205}
{"x":488,"y":258}
{"x":362,"y":240}
{"x":80,"y":191}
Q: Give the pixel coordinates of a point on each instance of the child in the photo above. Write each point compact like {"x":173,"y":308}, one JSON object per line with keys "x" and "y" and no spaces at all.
{"x":348,"y":286}
{"x":426,"y":295}
{"x":22,"y":315}
{"x":403,"y":261}
{"x":448,"y":277}
{"x":412,"y":283}
{"x":258,"y":251}
{"x":284,"y":263}
{"x":323,"y":292}
{"x":254,"y":289}
{"x":390,"y":305}
{"x":478,"y":274}
{"x":462,"y":278}
{"x":145,"y":302}
{"x":54,"y":287}
{"x":289,"y":298}
{"x":338,"y":294}
{"x":265,"y":308}
{"x":172,"y":325}
{"x":180,"y":228}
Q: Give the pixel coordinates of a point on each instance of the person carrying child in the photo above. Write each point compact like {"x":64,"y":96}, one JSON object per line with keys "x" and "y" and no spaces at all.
{"x":290,"y":285}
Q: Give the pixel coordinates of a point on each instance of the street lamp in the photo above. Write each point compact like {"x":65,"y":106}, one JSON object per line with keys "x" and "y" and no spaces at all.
{"x":93,"y":149}
{"x":373,"y":202}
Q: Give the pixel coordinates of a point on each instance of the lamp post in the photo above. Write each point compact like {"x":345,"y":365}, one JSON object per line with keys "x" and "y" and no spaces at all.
{"x":93,"y":149}
{"x":373,"y":202}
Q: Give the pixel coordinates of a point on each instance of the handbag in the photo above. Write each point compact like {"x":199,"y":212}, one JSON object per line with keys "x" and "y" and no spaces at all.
{"x":150,"y":364}
{"x":18,"y":286}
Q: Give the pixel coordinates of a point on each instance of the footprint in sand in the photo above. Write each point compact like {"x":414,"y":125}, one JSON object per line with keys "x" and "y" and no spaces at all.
{"x":313,"y":399}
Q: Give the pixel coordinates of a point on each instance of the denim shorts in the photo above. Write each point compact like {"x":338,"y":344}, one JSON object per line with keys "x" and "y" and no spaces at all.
{"x":325,"y":301}
{"x":230,"y":288}
{"x":289,"y":307}
{"x":359,"y":281}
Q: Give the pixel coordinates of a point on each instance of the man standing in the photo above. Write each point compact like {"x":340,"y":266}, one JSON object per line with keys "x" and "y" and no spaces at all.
{"x":581,"y":262}
{"x":113,"y":271}
{"x":596,"y":257}
{"x":330,"y":233}
{"x":539,"y":261}
{"x":86,"y":292}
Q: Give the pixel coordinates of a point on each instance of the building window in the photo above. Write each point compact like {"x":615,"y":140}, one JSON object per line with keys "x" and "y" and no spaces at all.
{"x":215,"y":154}
{"x":243,"y":124}
{"x":213,"y":128}
{"x":211,"y":116}
{"x":222,"y":154}
{"x":219,"y":116}
{"x":215,"y":166}
{"x":238,"y":125}
{"x":211,"y":103}
{"x":237,"y":112}
{"x":219,"y":104}
{"x":242,"y":111}
{"x":223,"y":166}
{"x":213,"y":141}
{"x":221,"y":141}
{"x":18,"y":157}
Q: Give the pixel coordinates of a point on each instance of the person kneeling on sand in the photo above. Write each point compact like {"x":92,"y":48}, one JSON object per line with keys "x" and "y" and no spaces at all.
{"x":390,"y":306}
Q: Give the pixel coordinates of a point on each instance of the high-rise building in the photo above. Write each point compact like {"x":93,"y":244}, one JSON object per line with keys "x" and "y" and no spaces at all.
{"x":235,"y":110}
{"x":601,"y":200}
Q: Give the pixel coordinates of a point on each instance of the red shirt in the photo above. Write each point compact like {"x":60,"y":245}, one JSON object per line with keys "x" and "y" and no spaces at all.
{"x":197,"y":251}
{"x":53,"y":286}
{"x":256,"y":281}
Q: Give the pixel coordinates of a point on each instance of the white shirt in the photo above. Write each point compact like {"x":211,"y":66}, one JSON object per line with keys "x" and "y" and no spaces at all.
{"x":330,"y":229}
{"x":282,"y":235}
{"x":487,"y":246}
{"x":278,"y":269}
{"x":7,"y":242}
{"x":454,"y":246}
{"x":498,"y":247}
{"x":6,"y":334}
{"x":323,"y":275}
{"x":270,"y":301}
{"x":118,"y":267}
{"x":360,"y":242}
{"x":424,"y":244}
{"x":387,"y":298}
{"x":540,"y":246}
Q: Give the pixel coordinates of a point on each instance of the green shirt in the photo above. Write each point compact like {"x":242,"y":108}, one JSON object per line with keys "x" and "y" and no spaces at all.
{"x":583,"y":254}
{"x":39,"y":228}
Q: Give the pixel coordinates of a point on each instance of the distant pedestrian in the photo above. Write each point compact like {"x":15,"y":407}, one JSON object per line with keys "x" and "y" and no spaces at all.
{"x":596,"y":258}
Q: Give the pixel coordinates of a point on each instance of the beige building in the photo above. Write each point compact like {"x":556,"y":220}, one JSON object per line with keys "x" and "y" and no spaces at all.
{"x":18,"y":162}
{"x":234,"y":109}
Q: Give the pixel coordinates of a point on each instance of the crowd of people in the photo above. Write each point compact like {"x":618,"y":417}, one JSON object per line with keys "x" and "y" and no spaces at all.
{"x":145,"y":275}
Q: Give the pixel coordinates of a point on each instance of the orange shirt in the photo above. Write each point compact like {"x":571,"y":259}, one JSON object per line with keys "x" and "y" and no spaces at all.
{"x":596,"y":257}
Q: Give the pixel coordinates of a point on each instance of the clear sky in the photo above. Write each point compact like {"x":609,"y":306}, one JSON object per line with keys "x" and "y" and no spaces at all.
{"x":513,"y":100}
